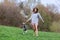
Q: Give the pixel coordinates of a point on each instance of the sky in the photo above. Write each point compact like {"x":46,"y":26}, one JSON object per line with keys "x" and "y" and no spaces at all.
{"x":44,"y":2}
{"x":55,"y":2}
{"x":1,"y":1}
{"x":48,"y":2}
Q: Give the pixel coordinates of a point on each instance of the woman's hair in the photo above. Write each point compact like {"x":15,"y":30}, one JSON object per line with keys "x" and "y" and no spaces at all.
{"x":34,"y":10}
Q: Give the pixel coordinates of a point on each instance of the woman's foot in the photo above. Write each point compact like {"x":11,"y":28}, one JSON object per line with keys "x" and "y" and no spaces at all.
{"x":36,"y":35}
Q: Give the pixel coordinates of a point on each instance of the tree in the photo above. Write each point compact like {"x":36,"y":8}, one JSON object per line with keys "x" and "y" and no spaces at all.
{"x":47,"y":18}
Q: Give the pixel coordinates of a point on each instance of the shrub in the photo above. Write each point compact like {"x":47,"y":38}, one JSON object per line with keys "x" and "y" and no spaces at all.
{"x":55,"y":27}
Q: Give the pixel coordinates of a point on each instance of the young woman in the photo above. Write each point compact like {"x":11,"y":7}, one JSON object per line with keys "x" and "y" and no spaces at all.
{"x":35,"y":19}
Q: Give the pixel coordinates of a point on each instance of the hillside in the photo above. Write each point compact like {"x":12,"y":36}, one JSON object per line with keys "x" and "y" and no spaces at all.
{"x":13,"y":33}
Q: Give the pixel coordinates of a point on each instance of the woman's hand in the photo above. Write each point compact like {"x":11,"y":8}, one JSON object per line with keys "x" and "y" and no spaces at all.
{"x":23,"y":23}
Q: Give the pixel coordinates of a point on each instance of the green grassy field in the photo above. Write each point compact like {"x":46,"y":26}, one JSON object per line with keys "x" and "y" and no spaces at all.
{"x":13,"y":33}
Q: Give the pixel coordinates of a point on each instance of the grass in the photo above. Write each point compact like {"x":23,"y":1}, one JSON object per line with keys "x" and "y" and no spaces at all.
{"x":13,"y":33}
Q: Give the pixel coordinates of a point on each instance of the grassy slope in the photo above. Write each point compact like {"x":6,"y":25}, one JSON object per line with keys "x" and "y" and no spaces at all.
{"x":13,"y":33}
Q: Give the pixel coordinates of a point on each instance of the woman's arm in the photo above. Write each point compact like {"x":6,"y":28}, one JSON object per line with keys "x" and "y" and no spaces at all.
{"x":28,"y":20}
{"x":40,"y":17}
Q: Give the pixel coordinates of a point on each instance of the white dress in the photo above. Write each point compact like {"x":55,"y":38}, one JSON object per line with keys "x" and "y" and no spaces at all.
{"x":35,"y":18}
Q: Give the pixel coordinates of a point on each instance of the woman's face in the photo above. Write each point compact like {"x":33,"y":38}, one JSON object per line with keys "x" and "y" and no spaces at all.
{"x":35,"y":10}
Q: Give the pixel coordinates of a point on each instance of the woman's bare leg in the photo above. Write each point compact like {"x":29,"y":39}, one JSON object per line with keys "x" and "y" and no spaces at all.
{"x":35,"y":28}
{"x":36,"y":32}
